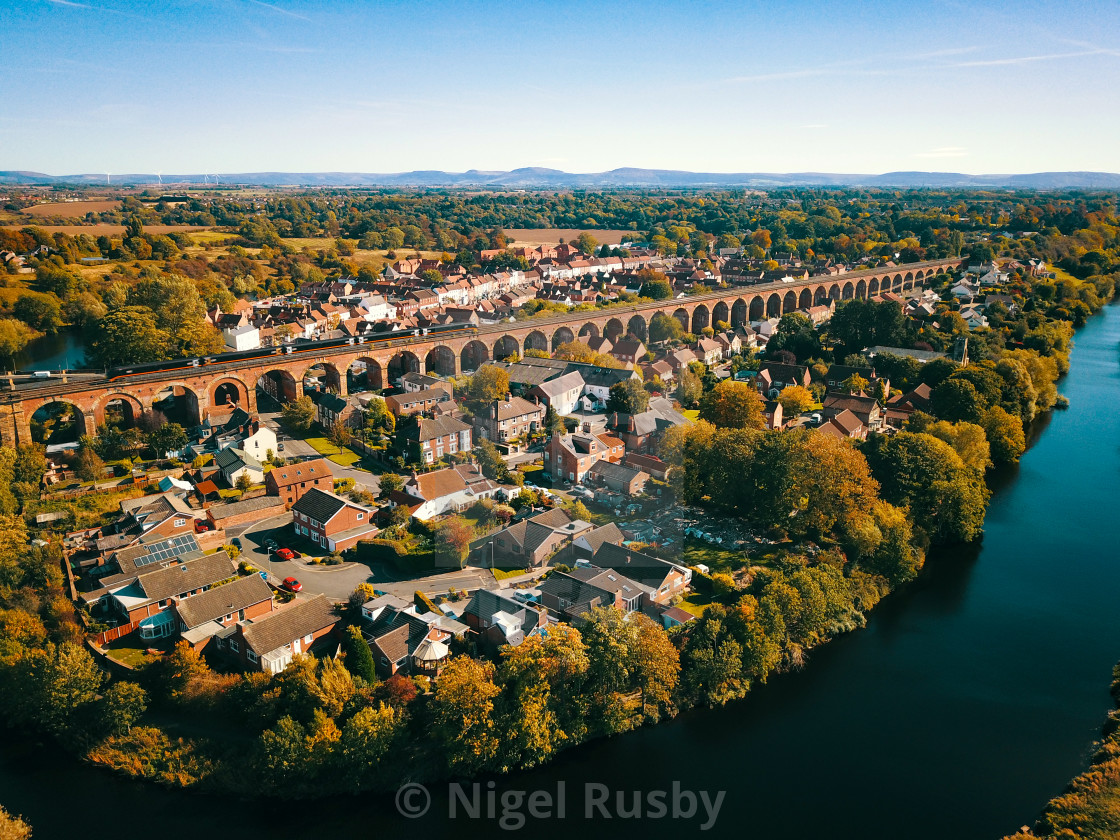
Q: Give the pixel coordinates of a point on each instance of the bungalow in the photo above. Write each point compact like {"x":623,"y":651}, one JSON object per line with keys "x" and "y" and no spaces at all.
{"x":570,"y":595}
{"x":619,"y":477}
{"x":586,"y":544}
{"x":530,"y":542}
{"x":269,"y":643}
{"x":499,"y":620}
{"x":234,"y":463}
{"x":331,"y":521}
{"x":441,"y":491}
{"x":403,"y":642}
{"x":664,"y":580}
{"x":293,"y":480}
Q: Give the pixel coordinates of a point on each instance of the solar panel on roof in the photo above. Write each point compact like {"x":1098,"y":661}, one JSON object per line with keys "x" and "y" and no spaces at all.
{"x":162,"y":552}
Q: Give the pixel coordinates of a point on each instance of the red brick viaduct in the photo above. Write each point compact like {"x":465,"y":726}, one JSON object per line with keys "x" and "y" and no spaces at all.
{"x":219,"y":384}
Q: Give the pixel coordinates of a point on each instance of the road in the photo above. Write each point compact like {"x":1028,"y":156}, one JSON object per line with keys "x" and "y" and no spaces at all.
{"x":337,"y":582}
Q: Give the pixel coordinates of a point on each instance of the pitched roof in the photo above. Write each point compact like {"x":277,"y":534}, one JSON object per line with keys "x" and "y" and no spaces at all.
{"x":302,"y":471}
{"x":183,"y":577}
{"x":223,"y":600}
{"x":236,"y":458}
{"x":428,"y":428}
{"x":516,"y":407}
{"x":284,"y":626}
{"x":641,"y":567}
{"x":319,"y":505}
{"x":220,"y":512}
{"x":609,"y":533}
{"x":617,"y":472}
{"x":556,"y":387}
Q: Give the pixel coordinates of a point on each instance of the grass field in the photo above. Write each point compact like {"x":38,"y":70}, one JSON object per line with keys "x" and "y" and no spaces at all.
{"x":504,"y":574}
{"x":692,"y":415}
{"x":552,"y":236}
{"x":716,"y":558}
{"x":106,"y":230}
{"x":695,"y":603}
{"x":76,"y":209}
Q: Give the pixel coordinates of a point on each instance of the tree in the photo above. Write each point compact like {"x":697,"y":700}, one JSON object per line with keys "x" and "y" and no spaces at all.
{"x":170,"y":437}
{"x":388,"y":484}
{"x":453,"y":539}
{"x":14,"y":336}
{"x":1004,"y":431}
{"x":553,"y":422}
{"x":298,"y":415}
{"x":339,"y":433}
{"x":655,"y":285}
{"x":487,"y":384}
{"x":795,"y":400}
{"x":359,"y":659}
{"x":244,"y":482}
{"x":587,"y":243}
{"x":855,"y":384}
{"x":689,"y":387}
{"x":956,"y":400}
{"x":733,"y":405}
{"x":462,"y":715}
{"x":795,"y":333}
{"x":39,"y":311}
{"x":628,"y":397}
{"x":129,"y":335}
{"x":13,"y":827}
{"x":368,"y":742}
{"x":968,"y":441}
{"x":122,"y":704}
{"x":664,"y":327}
{"x":88,"y":464}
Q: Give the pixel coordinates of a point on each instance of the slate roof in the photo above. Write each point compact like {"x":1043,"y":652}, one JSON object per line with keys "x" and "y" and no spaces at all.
{"x":397,"y":633}
{"x":280,"y":628}
{"x":616,"y":472}
{"x":555,"y":387}
{"x":643,"y":568}
{"x":429,"y":428}
{"x":223,"y":600}
{"x":220,"y":512}
{"x":319,"y":505}
{"x":236,"y":458}
{"x":609,"y":533}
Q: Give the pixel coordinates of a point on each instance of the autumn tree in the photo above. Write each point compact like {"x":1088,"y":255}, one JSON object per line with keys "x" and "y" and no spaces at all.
{"x":628,"y":397}
{"x":462,"y":716}
{"x":795,"y":400}
{"x":299,"y":414}
{"x":487,"y":384}
{"x":453,"y":539}
{"x":733,"y":405}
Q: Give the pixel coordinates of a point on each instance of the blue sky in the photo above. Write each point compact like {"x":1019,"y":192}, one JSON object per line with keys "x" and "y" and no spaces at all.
{"x":343,"y":85}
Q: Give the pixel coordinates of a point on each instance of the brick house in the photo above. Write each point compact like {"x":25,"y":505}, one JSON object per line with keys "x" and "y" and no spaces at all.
{"x":530,"y":542}
{"x":404,"y":642}
{"x":509,"y":419}
{"x":246,"y":511}
{"x":568,"y":595}
{"x":269,"y":643}
{"x":427,"y":440}
{"x":862,"y":406}
{"x":619,"y":477}
{"x":570,"y":457}
{"x":142,"y":601}
{"x":665,"y":580}
{"x":440,"y":491}
{"x":201,"y":616}
{"x":292,"y":481}
{"x":331,"y":521}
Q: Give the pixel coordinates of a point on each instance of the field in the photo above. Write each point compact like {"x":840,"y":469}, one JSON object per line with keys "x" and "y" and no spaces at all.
{"x":552,"y":236}
{"x":76,"y":209}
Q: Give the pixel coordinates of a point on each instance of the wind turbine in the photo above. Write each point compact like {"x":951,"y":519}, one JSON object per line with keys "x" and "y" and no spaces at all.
{"x":160,"y":176}
{"x":107,"y":177}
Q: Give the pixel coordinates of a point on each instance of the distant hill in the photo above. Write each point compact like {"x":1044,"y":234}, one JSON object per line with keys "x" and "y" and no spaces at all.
{"x":541,"y":178}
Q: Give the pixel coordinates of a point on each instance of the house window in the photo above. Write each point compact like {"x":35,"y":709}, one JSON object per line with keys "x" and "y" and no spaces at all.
{"x":234,"y":646}
{"x":252,"y":656}
{"x":180,"y":522}
{"x":307,"y":638}
{"x":361,"y":516}
{"x":314,"y":523}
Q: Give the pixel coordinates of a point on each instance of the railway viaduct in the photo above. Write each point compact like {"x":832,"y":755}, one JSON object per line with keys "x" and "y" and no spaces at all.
{"x":199,"y":389}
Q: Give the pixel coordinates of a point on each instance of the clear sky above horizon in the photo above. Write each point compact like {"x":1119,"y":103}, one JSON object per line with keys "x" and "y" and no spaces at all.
{"x":190,"y":86}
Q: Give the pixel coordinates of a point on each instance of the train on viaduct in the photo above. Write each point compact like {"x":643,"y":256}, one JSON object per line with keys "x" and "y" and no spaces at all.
{"x":220,"y":383}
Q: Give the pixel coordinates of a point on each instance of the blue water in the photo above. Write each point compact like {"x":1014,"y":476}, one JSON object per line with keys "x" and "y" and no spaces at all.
{"x":969,"y":700}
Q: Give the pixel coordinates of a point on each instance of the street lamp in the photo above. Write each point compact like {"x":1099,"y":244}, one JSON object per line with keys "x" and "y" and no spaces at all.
{"x":268,"y":560}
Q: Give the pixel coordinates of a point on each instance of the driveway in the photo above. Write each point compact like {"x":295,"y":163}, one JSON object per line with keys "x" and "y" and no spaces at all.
{"x":337,"y":582}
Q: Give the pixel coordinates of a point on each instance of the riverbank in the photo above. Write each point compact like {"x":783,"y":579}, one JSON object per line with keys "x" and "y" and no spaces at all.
{"x":1089,"y":809}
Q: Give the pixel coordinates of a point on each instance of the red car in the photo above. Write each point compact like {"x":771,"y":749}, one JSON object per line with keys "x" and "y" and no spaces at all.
{"x":285,"y":554}
{"x":201,"y":525}
{"x":291,"y":584}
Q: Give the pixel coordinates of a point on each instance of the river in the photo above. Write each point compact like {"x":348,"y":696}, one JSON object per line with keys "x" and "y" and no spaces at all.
{"x":53,"y":351}
{"x":970,"y":699}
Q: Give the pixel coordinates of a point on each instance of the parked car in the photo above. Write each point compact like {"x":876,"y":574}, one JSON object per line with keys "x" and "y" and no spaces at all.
{"x":201,"y":526}
{"x":236,"y":543}
{"x":285,"y":554}
{"x":291,"y":584}
{"x":279,"y":447}
{"x":271,"y":543}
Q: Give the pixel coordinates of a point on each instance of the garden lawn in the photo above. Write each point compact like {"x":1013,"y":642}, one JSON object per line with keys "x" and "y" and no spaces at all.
{"x":345,"y":458}
{"x":692,"y":415}
{"x":695,"y":603}
{"x":716,"y":558}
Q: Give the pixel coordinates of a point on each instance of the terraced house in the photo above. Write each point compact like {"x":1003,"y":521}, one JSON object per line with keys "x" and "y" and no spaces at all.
{"x":427,"y":440}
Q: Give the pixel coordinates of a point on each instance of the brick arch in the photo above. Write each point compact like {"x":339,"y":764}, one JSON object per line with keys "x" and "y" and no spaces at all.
{"x":638,"y":328}
{"x":861,"y":289}
{"x":442,"y":360}
{"x":562,"y":336}
{"x":374,"y":372}
{"x":473,"y":355}
{"x":908,"y":281}
{"x":402,"y":362}
{"x":789,"y":302}
{"x":700,"y":318}
{"x":81,"y":424}
{"x":280,"y":384}
{"x":848,"y":291}
{"x":588,"y":330}
{"x":681,"y":315}
{"x":219,"y":391}
{"x":757,"y":308}
{"x":133,"y":404}
{"x":740,"y":312}
{"x":505,"y":347}
{"x":834,"y":291}
{"x":872,"y":287}
{"x":614,"y":329}
{"x":820,"y":296}
{"x":536,"y":340}
{"x":721,"y":312}
{"x":896,"y":283}
{"x":188,"y":401}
